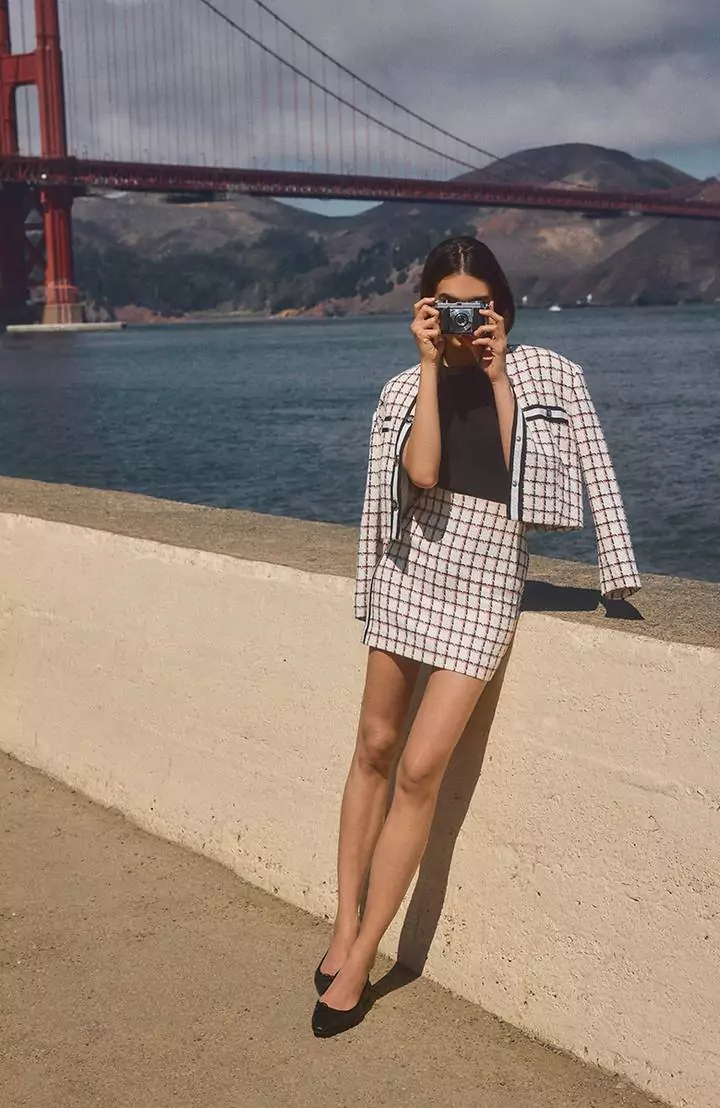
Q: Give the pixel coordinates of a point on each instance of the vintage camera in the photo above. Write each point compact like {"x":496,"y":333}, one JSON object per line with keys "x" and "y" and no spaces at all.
{"x":461,"y":317}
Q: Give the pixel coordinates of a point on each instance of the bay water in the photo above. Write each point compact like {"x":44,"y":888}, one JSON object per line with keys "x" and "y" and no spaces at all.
{"x":274,"y":415}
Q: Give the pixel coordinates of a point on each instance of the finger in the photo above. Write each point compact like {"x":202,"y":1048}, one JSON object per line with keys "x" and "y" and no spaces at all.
{"x":424,"y":300}
{"x":487,"y":341}
{"x":424,"y":326}
{"x":491,"y":313}
{"x":485,"y":327}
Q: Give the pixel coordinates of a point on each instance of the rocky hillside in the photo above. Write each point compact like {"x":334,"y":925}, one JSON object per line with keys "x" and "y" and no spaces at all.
{"x":145,"y":256}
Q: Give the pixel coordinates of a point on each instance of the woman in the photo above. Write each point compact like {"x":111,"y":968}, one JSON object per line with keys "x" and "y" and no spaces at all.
{"x":469,"y":449}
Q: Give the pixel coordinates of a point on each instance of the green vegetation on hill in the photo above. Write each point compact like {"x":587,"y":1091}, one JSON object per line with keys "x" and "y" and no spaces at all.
{"x":189,"y":281}
{"x":281,"y":269}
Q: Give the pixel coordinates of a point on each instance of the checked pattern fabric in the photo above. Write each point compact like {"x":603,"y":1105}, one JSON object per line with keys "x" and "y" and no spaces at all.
{"x":557,"y":448}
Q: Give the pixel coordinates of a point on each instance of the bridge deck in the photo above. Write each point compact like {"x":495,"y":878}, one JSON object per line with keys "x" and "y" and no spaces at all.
{"x":80,"y":174}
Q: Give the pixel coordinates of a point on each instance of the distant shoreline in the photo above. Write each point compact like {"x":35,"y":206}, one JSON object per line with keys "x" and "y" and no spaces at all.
{"x":143,"y":319}
{"x":209,"y":318}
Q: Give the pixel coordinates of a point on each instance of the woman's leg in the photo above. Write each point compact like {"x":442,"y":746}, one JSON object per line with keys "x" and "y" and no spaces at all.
{"x":389,"y":683}
{"x":446,"y":706}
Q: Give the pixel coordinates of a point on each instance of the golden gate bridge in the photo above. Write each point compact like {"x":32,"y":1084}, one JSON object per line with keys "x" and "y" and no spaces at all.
{"x":218,"y":97}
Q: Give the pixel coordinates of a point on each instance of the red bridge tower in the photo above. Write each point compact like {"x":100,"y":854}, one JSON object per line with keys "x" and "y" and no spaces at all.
{"x":35,"y":224}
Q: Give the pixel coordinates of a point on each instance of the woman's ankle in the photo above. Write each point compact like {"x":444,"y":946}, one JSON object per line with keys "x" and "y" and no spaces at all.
{"x":363,"y":952}
{"x":346,"y":929}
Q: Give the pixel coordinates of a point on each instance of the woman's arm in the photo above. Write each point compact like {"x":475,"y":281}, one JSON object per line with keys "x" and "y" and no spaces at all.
{"x":505,"y":404}
{"x":370,"y":544}
{"x":491,"y":338}
{"x":619,"y":576}
{"x":421,"y":453}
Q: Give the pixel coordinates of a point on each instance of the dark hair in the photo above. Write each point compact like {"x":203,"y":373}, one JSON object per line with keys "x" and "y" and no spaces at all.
{"x":468,"y":255}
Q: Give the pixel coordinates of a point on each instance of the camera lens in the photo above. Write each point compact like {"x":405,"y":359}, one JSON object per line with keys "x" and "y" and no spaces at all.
{"x":462,"y":319}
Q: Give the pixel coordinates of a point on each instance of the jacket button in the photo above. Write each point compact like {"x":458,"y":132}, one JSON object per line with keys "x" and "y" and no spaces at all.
{"x":514,"y":484}
{"x":394,"y":503}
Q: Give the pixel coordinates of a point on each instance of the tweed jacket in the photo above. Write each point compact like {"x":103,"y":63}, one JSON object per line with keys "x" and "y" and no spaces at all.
{"x":557,"y":443}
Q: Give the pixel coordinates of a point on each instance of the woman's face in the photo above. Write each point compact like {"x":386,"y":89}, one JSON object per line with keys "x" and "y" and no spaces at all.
{"x":461,"y":286}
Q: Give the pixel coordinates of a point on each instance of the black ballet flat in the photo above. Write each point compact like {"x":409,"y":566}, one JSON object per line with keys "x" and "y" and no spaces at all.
{"x":327,"y":1021}
{"x":323,"y":981}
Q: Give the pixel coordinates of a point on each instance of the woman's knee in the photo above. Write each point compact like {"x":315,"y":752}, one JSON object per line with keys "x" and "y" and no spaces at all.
{"x":418,"y":778}
{"x":377,"y":744}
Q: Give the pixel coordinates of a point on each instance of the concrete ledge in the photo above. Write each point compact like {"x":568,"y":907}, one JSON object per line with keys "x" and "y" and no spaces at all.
{"x":570,"y":884}
{"x":671,"y":609}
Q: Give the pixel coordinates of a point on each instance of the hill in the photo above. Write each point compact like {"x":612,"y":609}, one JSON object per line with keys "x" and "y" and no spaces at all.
{"x":143,"y":254}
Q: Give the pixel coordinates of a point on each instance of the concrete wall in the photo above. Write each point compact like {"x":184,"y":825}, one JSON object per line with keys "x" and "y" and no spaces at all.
{"x":572,"y":887}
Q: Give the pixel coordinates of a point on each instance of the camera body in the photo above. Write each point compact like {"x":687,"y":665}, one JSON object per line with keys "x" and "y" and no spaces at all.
{"x":461,"y":317}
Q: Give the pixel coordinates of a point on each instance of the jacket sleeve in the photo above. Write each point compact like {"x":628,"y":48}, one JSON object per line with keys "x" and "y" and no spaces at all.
{"x":370,"y":544}
{"x":616,"y":562}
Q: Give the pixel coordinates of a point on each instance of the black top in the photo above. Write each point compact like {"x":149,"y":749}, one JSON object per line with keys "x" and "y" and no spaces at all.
{"x":472,"y":459}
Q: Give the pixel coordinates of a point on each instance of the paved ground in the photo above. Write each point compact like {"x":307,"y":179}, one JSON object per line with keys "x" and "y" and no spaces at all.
{"x":136,"y":974}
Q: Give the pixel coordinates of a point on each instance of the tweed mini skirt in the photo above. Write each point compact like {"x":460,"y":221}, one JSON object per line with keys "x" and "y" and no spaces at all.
{"x":447,"y":592}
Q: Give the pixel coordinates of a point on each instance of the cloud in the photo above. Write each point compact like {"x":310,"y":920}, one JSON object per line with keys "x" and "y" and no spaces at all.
{"x":166,"y":80}
{"x":628,"y":73}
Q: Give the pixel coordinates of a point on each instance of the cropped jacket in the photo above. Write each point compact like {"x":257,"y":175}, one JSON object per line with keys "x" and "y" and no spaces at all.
{"x":557,"y":444}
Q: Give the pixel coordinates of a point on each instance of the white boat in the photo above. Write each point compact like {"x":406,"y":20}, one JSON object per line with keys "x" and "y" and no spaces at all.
{"x":554,"y":308}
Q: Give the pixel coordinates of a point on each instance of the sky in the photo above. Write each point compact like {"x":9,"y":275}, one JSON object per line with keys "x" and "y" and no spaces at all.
{"x":639,"y":75}
{"x":168,"y":80}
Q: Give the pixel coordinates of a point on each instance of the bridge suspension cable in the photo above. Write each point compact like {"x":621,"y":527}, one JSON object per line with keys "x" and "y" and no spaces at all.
{"x":341,"y":100}
{"x":368,"y":86}
{"x":232,"y":83}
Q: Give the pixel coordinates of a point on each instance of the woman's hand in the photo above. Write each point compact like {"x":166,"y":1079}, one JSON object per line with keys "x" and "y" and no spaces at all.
{"x":490,"y":344}
{"x":426,"y":331}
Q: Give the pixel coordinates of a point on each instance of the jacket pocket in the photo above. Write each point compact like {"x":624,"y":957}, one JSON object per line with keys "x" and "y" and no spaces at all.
{"x":551,"y":412}
{"x":548,"y":432}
